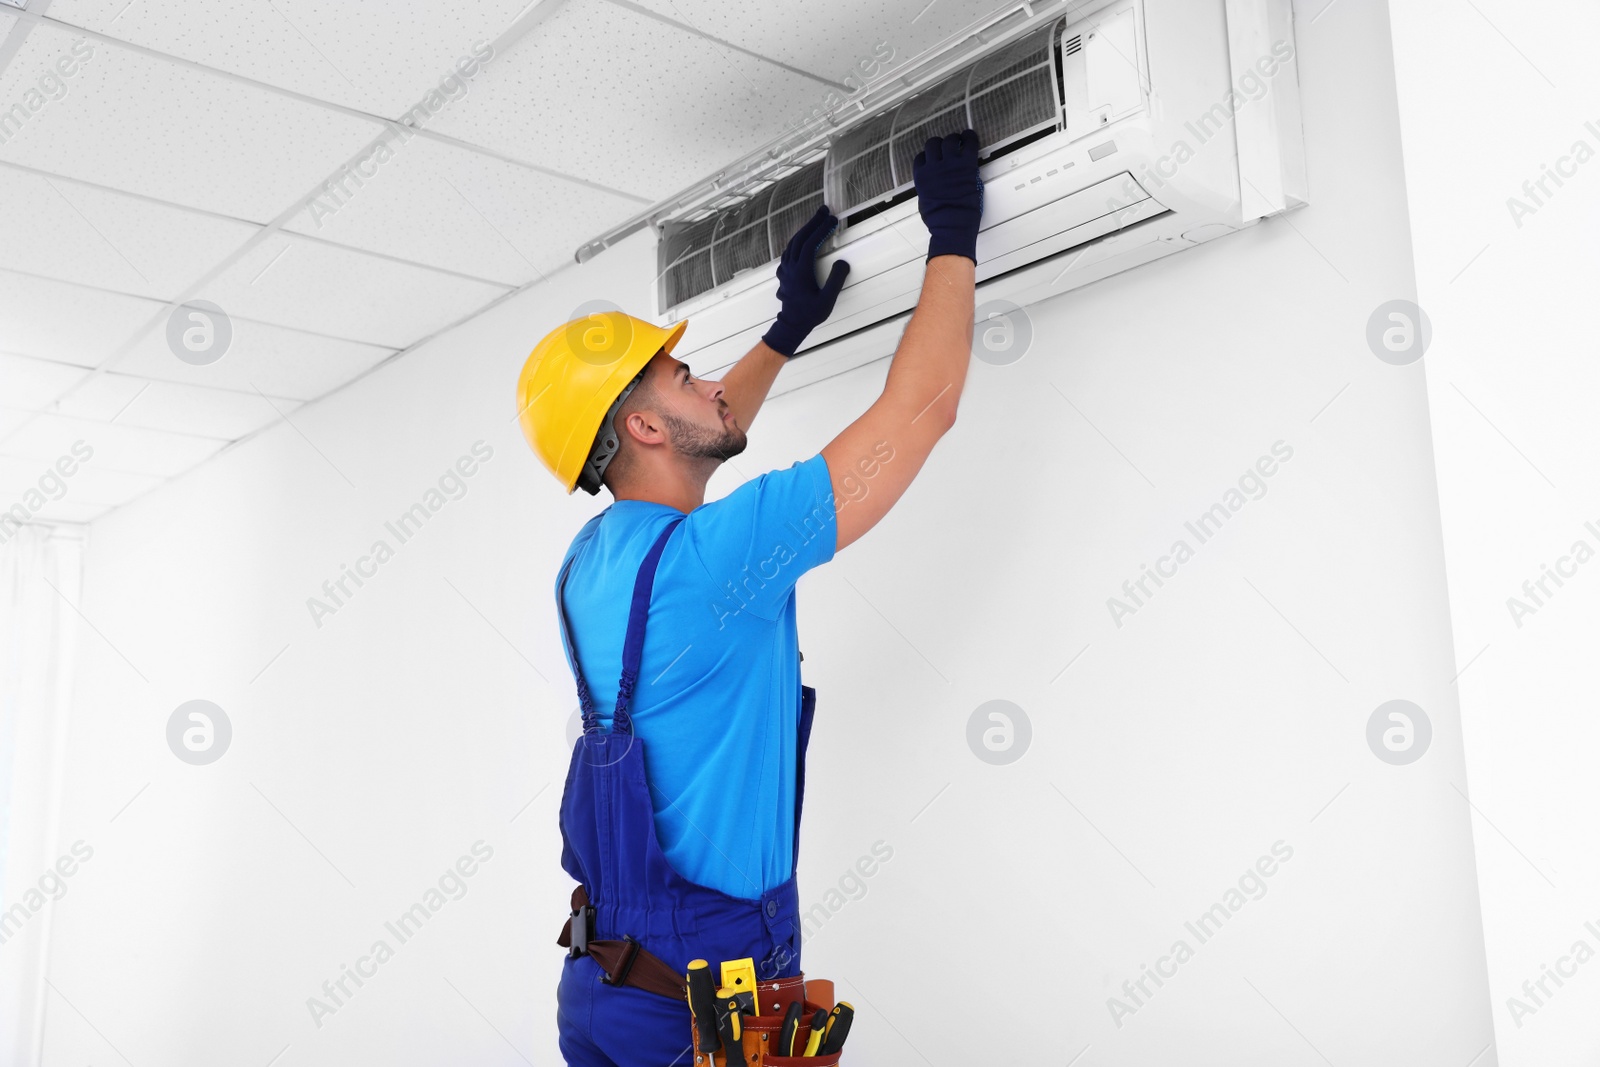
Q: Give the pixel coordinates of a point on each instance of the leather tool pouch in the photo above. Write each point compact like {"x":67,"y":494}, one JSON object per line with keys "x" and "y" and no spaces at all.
{"x":762,"y":1029}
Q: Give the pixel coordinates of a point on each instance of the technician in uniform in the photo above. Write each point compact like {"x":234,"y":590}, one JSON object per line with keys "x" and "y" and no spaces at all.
{"x":681,"y":811}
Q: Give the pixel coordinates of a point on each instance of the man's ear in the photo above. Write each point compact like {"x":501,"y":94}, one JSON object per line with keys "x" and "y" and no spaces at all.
{"x":632,"y":427}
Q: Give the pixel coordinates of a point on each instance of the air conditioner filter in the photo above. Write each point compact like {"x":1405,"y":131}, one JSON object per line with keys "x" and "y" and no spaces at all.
{"x":1005,"y":97}
{"x":1009,"y":97}
{"x":700,"y":255}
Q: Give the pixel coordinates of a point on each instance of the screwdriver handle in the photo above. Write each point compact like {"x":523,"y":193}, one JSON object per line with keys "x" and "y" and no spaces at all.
{"x":703,"y":1004}
{"x":838,"y":1028}
{"x":819,"y":1023}
{"x":732,"y":1031}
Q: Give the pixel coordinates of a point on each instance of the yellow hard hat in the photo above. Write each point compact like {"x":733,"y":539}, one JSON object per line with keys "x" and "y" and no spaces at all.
{"x":573,"y":380}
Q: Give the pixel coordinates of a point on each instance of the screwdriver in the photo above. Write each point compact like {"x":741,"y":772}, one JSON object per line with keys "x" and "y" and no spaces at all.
{"x":703,"y":1004}
{"x":791,"y":1027}
{"x":732,"y":1031}
{"x":837,"y":1030}
{"x":819,"y":1022}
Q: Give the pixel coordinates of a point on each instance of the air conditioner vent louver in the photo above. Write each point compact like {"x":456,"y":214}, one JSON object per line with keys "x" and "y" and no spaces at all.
{"x":1009,"y":97}
{"x":1073,"y":46}
{"x":697,"y":256}
{"x":1004,"y":97}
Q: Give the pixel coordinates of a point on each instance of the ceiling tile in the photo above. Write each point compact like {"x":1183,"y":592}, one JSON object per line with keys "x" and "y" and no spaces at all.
{"x":132,"y":121}
{"x":101,"y":398}
{"x":274,"y":360}
{"x":32,"y":384}
{"x":87,"y":483}
{"x":882,"y":34}
{"x":622,"y":100}
{"x":450,"y":207}
{"x":293,"y":281}
{"x":123,"y":448}
{"x":64,"y":229}
{"x":69,"y":323}
{"x":18,"y":476}
{"x":375,"y":57}
{"x":69,"y":510}
{"x":190,"y":409}
{"x":13,"y":419}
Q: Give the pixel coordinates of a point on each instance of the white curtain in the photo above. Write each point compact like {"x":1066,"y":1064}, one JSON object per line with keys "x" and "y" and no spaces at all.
{"x":40,"y":573}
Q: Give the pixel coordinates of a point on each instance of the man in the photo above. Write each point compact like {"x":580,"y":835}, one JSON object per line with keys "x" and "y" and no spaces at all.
{"x":680,"y":817}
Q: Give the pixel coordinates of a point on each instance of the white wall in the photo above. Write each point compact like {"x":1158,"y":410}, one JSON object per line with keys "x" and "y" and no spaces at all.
{"x":1490,"y":100}
{"x":1227,"y":715}
{"x":40,"y":568}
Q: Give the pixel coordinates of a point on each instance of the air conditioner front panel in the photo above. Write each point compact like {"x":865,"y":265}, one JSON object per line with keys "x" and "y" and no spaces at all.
{"x":1119,"y":149}
{"x":875,"y":339}
{"x":887,"y":266}
{"x":895,"y":277}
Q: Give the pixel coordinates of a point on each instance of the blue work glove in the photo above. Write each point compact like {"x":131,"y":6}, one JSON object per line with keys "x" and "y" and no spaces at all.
{"x":806,"y":305}
{"x":950,"y":194}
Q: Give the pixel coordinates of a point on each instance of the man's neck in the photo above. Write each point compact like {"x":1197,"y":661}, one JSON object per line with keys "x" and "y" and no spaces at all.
{"x":682,"y":490}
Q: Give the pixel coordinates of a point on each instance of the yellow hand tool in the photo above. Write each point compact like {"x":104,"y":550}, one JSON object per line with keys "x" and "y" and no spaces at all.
{"x":791,"y":1026}
{"x":819,"y":1023}
{"x":739,"y":980}
{"x":838,"y":1028}
{"x":732,"y":1028}
{"x":703,"y":1004}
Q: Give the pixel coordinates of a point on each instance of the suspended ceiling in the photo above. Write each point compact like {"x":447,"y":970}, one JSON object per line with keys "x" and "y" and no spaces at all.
{"x":155,"y":153}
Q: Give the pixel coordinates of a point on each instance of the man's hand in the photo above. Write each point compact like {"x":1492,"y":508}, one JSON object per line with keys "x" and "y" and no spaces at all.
{"x":950,"y":194}
{"x":805,"y":304}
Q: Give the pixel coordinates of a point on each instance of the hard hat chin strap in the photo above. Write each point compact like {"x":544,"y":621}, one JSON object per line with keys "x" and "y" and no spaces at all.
{"x":606,"y":443}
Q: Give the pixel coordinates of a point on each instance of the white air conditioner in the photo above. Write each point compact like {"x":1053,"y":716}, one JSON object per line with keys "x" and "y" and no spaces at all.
{"x":1114,"y":132}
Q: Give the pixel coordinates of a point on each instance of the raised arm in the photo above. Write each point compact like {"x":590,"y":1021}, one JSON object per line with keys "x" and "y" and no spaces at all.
{"x":873,"y":461}
{"x":805,"y":305}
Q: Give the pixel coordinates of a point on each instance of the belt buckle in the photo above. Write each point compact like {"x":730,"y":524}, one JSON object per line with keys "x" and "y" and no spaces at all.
{"x":629,"y":954}
{"x":582,"y":920}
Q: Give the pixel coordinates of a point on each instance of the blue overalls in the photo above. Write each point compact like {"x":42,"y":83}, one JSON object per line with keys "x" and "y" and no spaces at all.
{"x":609,"y":845}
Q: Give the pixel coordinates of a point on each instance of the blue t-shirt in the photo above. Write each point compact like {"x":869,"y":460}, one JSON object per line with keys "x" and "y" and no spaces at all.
{"x":717,"y":704}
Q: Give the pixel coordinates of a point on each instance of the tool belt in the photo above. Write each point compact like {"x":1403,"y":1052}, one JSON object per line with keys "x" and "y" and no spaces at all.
{"x":628,"y":963}
{"x":759,"y":1033}
{"x":624,"y":962}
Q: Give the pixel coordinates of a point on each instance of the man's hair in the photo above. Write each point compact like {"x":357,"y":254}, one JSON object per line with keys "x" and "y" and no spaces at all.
{"x":621,"y":466}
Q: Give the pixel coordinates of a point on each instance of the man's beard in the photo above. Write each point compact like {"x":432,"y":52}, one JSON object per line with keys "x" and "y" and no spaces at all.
{"x":695,"y":441}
